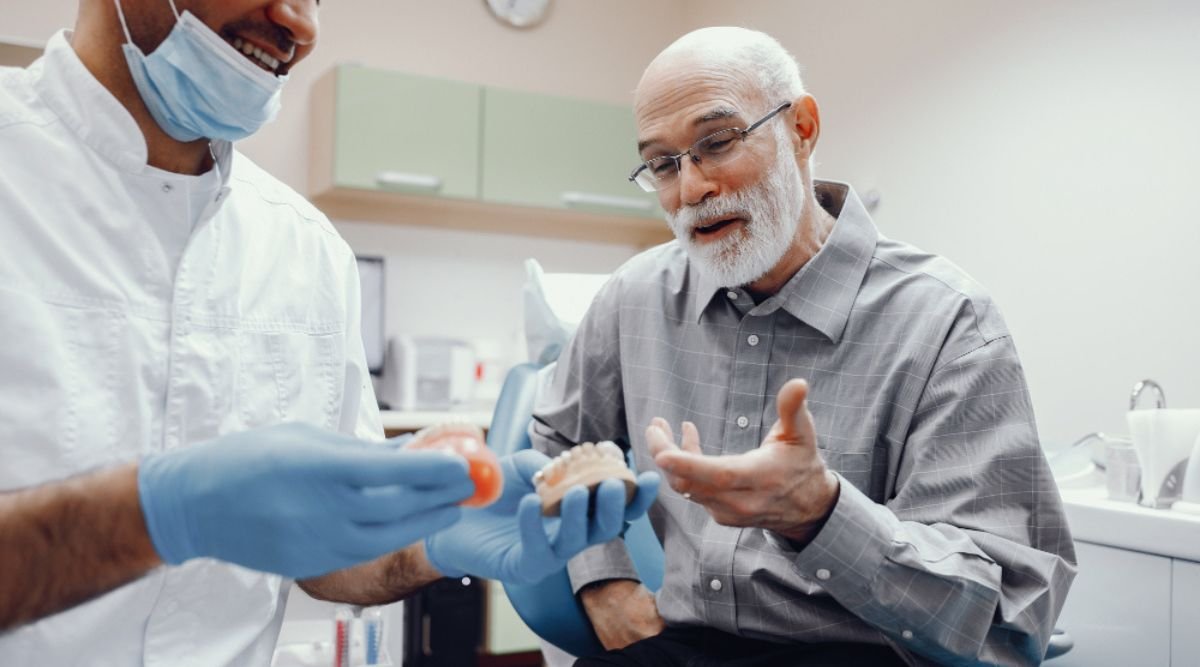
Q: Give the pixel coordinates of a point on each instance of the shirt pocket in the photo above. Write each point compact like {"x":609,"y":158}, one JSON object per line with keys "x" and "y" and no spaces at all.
{"x":59,"y":371}
{"x":287,"y":377}
{"x":854,"y":466}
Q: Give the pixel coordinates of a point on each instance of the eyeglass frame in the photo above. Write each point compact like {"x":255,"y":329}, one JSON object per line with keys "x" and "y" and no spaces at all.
{"x":678,"y":158}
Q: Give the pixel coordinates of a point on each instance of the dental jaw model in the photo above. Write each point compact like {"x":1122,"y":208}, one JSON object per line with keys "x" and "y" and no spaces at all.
{"x":587,"y":465}
{"x":467,"y":441}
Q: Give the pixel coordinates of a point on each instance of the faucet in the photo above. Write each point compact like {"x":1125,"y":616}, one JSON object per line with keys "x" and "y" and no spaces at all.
{"x":1160,"y":400}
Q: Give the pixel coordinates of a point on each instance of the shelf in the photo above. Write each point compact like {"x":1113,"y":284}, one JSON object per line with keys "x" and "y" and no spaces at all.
{"x":404,"y":209}
{"x":402,"y":422}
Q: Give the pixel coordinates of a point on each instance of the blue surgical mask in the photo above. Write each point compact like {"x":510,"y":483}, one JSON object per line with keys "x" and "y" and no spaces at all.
{"x":197,"y":85}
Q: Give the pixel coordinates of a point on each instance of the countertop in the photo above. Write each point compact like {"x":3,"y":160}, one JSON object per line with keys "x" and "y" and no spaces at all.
{"x":1125,"y":525}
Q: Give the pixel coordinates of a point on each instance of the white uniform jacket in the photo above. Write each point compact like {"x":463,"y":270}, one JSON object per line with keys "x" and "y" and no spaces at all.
{"x":141,"y":311}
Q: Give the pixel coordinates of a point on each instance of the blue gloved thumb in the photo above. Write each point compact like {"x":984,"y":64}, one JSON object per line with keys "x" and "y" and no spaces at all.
{"x":647,"y":491}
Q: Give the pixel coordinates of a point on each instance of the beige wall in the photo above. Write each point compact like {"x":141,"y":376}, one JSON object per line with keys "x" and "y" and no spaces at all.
{"x":586,"y":49}
{"x":1050,"y":148}
{"x":594,"y":50}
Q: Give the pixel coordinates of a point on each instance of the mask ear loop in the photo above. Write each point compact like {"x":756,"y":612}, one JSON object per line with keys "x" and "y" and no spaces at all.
{"x":125,"y":26}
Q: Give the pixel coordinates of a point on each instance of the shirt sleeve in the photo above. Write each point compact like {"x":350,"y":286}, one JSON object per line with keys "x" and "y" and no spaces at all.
{"x":971,"y":558}
{"x":584,"y":402}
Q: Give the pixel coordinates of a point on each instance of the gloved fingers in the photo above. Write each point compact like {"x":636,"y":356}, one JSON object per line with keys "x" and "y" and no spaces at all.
{"x":371,"y":540}
{"x":382,"y":467}
{"x":383,"y":504}
{"x":608,"y":514}
{"x":535,"y":549}
{"x":526,"y":463}
{"x":647,"y":491}
{"x":573,"y":527}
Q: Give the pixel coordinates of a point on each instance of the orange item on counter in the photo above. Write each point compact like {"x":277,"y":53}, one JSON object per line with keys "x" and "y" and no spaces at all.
{"x":467,"y":441}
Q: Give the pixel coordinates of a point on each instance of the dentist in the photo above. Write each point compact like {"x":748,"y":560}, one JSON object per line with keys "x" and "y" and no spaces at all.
{"x":182,"y":379}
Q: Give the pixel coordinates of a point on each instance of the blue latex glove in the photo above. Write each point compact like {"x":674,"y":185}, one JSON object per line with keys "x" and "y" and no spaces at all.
{"x":296,"y":500}
{"x":511,"y":541}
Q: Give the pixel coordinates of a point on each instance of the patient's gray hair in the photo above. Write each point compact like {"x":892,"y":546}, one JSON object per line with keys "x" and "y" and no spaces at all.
{"x":751,"y":51}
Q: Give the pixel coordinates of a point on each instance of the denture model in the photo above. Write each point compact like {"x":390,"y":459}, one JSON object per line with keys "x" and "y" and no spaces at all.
{"x":588,"y":465}
{"x":467,"y":441}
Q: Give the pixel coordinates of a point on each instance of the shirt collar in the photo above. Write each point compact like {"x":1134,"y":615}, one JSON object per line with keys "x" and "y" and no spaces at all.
{"x":97,"y":118}
{"x":821,"y":294}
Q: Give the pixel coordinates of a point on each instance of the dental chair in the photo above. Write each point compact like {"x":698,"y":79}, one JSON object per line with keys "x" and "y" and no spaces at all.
{"x":549,"y":607}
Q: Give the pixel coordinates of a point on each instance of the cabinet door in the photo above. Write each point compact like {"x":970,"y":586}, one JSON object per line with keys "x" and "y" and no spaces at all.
{"x":555,"y":152}
{"x":504,"y":630}
{"x":407,"y":133}
{"x":1185,"y":613}
{"x":1119,"y":609}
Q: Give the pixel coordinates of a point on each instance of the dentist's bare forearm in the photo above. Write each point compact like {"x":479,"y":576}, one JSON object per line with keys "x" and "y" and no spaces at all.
{"x":64,"y":543}
{"x":381,"y":581}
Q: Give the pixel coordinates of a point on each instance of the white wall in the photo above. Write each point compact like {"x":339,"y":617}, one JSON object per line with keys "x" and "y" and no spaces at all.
{"x":1050,"y":148}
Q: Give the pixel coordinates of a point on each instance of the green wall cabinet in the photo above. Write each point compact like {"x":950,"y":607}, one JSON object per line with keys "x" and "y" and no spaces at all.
{"x":395,"y":131}
{"x":557,"y":152}
{"x":405,"y":149}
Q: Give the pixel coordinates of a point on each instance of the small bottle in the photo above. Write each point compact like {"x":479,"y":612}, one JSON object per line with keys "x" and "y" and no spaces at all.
{"x":372,"y":619}
{"x":343,"y":618}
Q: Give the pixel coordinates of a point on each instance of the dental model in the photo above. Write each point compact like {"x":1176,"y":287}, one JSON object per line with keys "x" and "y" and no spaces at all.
{"x":467,"y":441}
{"x":588,"y":465}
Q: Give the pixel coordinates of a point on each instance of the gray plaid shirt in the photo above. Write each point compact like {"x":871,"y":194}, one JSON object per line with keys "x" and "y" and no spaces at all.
{"x":948,"y":541}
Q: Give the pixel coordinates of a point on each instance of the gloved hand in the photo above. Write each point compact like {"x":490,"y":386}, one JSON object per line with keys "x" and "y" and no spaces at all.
{"x":509,"y":540}
{"x":296,"y":500}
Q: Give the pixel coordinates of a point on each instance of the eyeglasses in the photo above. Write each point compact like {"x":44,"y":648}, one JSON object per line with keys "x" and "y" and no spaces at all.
{"x":660,"y":172}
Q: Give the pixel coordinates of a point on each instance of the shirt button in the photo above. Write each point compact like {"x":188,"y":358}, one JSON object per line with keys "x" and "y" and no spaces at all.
{"x":742,"y":422}
{"x":907,"y":634}
{"x":823,"y":574}
{"x":753,"y":340}
{"x":166,"y":187}
{"x":731,"y":294}
{"x":715,"y":584}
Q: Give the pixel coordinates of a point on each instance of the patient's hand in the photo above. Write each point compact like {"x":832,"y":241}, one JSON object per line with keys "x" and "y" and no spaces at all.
{"x":622,"y":612}
{"x":782,"y":486}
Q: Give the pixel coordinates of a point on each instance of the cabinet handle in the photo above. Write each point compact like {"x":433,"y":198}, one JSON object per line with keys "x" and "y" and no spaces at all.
{"x":402,"y":179}
{"x":592,"y":199}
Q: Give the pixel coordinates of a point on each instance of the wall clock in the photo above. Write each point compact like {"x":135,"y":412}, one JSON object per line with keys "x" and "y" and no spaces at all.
{"x":519,"y":13}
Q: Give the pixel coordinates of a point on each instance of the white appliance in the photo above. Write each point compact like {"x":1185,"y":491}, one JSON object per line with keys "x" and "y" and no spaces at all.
{"x":428,"y":373}
{"x":1163,"y":440}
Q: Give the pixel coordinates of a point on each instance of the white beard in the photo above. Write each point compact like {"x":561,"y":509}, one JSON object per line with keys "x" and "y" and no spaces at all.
{"x":771,"y":209}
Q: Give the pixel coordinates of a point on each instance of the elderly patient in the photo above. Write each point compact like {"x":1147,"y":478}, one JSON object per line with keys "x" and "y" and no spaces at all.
{"x":843,"y":420}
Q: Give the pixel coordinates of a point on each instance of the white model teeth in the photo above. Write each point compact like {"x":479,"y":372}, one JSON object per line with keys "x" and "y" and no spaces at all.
{"x":582,"y":455}
{"x":251,"y":50}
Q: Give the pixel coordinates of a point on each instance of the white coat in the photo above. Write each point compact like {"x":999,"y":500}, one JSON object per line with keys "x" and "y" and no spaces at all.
{"x":140,"y":311}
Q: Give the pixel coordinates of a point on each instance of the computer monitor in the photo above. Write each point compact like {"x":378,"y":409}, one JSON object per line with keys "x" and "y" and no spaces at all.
{"x":372,"y":276}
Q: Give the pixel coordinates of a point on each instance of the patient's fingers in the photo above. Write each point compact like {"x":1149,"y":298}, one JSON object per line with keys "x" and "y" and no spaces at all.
{"x":658,"y":441}
{"x":691,"y":438}
{"x":665,"y":426}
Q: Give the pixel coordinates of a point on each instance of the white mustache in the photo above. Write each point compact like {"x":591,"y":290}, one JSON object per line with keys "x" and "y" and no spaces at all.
{"x":710,"y":210}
